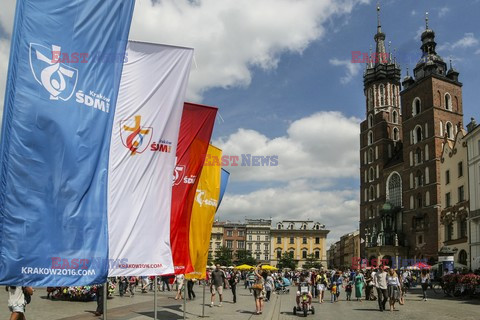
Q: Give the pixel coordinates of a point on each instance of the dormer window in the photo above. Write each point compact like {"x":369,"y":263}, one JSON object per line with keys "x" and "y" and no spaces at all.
{"x":279,"y":226}
{"x":291,"y":226}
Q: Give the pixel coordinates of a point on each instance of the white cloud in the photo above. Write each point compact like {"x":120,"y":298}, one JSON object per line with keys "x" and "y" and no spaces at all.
{"x":413,"y":13}
{"x":4,"y":52}
{"x":337,"y":209}
{"x":313,"y":156}
{"x":467,"y":41}
{"x":323,"y":146}
{"x":352,"y":69}
{"x":7,"y":16}
{"x":231,"y":36}
{"x":443,"y":11}
{"x":477,"y":52}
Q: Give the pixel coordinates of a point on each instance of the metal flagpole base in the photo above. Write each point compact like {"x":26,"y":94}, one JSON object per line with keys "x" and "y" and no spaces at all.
{"x":184,"y":298}
{"x":105,"y":298}
{"x":203,"y":304}
{"x":155,"y":303}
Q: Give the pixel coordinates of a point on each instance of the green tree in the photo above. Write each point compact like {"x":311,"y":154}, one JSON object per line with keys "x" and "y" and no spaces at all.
{"x":223,"y":256}
{"x":312,"y":262}
{"x":245,"y":257}
{"x":287,"y":261}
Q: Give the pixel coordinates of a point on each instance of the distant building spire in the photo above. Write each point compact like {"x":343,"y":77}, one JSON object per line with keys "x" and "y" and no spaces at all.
{"x":380,"y":40}
{"x":379,"y":26}
{"x":426,"y":20}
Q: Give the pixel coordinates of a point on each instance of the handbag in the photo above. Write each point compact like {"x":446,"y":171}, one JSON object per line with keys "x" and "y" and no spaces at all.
{"x":257,"y":286}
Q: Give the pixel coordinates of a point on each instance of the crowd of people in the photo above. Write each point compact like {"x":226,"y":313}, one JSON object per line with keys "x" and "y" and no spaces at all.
{"x":383,"y":284}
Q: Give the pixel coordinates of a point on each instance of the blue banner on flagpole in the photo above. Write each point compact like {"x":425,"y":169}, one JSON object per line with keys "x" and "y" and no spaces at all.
{"x":65,"y":66}
{"x":225,"y":175}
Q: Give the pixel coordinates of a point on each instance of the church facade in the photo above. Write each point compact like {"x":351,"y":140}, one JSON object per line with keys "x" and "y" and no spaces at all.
{"x":401,"y":143}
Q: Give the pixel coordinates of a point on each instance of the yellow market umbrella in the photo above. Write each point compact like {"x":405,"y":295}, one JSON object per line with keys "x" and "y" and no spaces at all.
{"x":269,"y":268}
{"x":244,"y":267}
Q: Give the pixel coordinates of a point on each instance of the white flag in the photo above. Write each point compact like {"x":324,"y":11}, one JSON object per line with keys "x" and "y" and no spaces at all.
{"x":142,"y":158}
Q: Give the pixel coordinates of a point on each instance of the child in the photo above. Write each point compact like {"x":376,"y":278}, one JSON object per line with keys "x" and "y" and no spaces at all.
{"x":348,"y":290}
{"x":333,"y":292}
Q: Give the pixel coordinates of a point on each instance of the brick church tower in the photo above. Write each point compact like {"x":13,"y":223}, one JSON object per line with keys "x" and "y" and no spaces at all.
{"x":381,"y":154}
{"x":431,"y":109}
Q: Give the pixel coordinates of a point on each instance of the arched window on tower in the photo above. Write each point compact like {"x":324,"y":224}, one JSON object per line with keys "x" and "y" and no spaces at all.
{"x":370,"y":137}
{"x":370,"y":155}
{"x":370,"y":99}
{"x":419,"y":201}
{"x":394,"y":96}
{"x":371,"y":174}
{"x":371,"y":193}
{"x":370,"y":121}
{"x":418,"y":156}
{"x":419,"y":179}
{"x":448,"y":101}
{"x":449,"y":130}
{"x":394,"y":189}
{"x":394,"y":117}
{"x":382,"y":95}
{"x":416,"y":106}
{"x":417,"y":134}
{"x":396,"y":134}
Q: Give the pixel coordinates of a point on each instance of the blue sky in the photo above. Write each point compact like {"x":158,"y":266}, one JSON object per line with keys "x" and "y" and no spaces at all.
{"x":280,"y":72}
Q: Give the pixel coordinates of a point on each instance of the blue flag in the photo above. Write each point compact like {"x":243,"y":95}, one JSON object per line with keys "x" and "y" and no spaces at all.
{"x":65,"y":66}
{"x":223,"y":185}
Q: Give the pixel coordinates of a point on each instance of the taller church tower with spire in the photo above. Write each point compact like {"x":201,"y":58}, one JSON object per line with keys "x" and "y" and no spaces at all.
{"x":401,"y":143}
{"x":381,"y":161}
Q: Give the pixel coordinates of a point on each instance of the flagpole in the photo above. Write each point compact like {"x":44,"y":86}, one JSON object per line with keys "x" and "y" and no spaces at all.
{"x":184,"y":298}
{"x":203,"y":304}
{"x":155,"y":303}
{"x":105,"y":297}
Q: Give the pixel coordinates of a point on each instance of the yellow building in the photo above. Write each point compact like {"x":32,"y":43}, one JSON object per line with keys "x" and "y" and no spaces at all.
{"x":216,"y":239}
{"x":300,"y":239}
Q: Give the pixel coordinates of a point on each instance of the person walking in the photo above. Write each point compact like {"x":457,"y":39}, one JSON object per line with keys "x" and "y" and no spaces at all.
{"x":218,"y":280}
{"x":322,"y":285}
{"x":17,"y":301}
{"x":359,"y":283}
{"x":381,"y":285}
{"x":233,"y":281}
{"x":190,"y":284}
{"x":269,"y":285}
{"x":132,"y":282}
{"x":393,"y":287}
{"x":251,"y":280}
{"x":100,"y":298}
{"x":258,"y":290}
{"x":424,"y":281}
{"x":369,"y":285}
{"x":179,"y":280}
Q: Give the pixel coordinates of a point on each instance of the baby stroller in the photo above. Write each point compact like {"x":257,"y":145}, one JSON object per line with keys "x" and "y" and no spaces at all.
{"x":281,"y":286}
